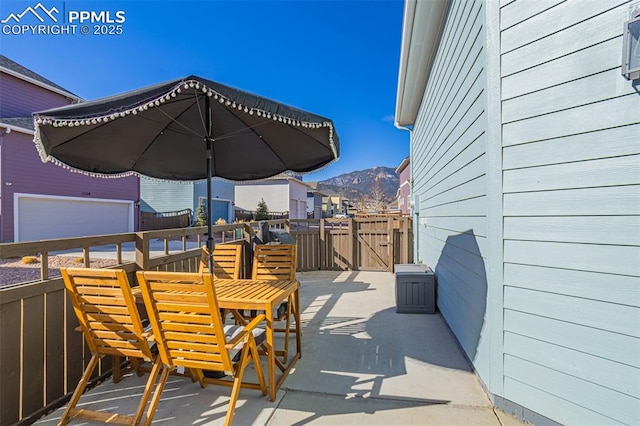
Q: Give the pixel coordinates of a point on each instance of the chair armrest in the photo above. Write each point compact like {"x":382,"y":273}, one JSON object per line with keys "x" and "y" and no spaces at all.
{"x":246,"y":330}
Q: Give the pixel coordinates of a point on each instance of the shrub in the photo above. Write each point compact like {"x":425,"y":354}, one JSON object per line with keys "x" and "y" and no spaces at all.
{"x":27,"y":260}
{"x":262,"y":212}
{"x":221,"y":221}
{"x":201,"y":214}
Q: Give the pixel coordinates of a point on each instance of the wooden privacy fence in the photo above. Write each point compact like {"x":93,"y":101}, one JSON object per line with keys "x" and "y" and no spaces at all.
{"x":42,"y":357}
{"x":360,"y":244}
{"x":165,"y":220}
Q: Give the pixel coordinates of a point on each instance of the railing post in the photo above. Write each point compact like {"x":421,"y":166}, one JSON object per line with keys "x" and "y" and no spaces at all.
{"x":142,"y":251}
{"x":87,"y":259}
{"x":44,"y":266}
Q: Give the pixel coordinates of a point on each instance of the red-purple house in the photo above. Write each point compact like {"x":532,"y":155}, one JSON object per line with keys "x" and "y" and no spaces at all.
{"x":404,"y":191}
{"x":43,"y":201}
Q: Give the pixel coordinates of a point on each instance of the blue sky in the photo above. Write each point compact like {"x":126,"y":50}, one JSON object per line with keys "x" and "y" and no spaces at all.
{"x":338,"y":59}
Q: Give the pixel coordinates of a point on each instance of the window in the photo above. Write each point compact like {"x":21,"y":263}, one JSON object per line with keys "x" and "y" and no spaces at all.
{"x":631,"y":48}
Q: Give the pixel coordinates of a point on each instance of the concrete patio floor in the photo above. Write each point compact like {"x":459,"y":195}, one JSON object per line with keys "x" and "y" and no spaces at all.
{"x":362,"y":363}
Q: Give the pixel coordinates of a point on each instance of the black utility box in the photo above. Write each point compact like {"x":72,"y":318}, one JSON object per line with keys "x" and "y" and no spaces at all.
{"x":415,"y":289}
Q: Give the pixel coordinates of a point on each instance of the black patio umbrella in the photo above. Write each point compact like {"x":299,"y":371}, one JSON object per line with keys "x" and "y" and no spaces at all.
{"x":186,"y":129}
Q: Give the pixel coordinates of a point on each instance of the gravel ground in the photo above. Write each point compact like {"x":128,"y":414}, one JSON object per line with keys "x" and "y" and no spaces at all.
{"x":13,"y":271}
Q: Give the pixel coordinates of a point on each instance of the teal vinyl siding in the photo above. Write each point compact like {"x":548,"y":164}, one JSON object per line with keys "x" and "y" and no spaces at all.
{"x":529,"y":211}
{"x":159,"y":196}
{"x":449,"y":168}
{"x":571,"y":188}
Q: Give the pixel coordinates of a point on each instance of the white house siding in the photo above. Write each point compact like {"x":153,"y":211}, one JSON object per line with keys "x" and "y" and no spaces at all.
{"x":449,"y":168}
{"x":298,"y":194}
{"x":274,"y":193}
{"x":281,"y":195}
{"x":571,"y":176}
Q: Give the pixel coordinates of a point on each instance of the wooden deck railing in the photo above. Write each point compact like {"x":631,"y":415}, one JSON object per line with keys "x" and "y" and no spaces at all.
{"x":42,"y":356}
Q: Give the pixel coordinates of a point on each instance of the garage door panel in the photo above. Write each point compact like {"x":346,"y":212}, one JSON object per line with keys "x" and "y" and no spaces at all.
{"x":39,"y":218}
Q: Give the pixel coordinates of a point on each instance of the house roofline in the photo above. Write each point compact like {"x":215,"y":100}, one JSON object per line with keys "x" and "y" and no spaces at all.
{"x":403,"y":165}
{"x":40,"y":83}
{"x":10,"y":128}
{"x":421,"y":30}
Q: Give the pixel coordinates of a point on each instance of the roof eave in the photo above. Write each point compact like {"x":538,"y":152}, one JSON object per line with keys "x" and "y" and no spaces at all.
{"x":403,"y":165}
{"x":40,"y":83}
{"x":421,"y":29}
{"x":12,"y":128}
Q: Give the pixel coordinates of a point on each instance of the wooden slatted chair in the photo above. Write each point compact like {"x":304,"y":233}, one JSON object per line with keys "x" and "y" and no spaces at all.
{"x":274,"y":262}
{"x":109,"y":319}
{"x":189,"y":331}
{"x":227,"y":259}
{"x":277,"y":262}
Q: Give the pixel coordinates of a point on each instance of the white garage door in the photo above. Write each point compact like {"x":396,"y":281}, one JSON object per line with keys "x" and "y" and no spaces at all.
{"x":42,"y":217}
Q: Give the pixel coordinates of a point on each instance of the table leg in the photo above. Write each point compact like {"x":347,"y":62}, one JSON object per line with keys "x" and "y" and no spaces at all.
{"x":271,"y":362}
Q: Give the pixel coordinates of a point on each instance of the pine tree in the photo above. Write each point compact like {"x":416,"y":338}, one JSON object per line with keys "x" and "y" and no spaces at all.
{"x":201,"y":214}
{"x":262,"y":212}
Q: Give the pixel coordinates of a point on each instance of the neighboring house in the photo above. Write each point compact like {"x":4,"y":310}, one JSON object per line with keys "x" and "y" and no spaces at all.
{"x":45,"y":201}
{"x":404,"y":191}
{"x":333,"y":204}
{"x":163,"y":196}
{"x":314,"y":204}
{"x":328,"y":206}
{"x":525,"y":155}
{"x":392,"y":207}
{"x":281,"y":194}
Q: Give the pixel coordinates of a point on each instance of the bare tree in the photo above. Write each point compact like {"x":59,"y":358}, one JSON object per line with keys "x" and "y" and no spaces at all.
{"x":377,"y":196}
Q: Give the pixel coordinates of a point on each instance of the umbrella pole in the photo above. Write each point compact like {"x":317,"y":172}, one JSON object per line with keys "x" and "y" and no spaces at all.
{"x":209,"y":141}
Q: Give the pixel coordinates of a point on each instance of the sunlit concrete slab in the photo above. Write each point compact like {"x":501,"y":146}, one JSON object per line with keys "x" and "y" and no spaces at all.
{"x":356,"y":344}
{"x":362,"y":363}
{"x":299,"y":408}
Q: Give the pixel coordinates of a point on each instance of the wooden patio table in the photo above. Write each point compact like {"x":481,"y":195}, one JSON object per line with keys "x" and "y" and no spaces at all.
{"x":263,"y":295}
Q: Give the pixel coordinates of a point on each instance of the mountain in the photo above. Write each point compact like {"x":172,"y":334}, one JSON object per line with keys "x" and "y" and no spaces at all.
{"x":376,"y":182}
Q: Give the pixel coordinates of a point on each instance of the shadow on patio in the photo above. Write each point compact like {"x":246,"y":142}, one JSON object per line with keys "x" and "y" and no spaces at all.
{"x":362,"y":363}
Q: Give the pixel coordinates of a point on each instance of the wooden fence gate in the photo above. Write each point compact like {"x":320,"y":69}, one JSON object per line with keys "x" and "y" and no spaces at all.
{"x":374,"y":244}
{"x":365,"y":244}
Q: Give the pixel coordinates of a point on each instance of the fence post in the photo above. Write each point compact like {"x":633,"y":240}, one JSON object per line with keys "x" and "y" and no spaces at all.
{"x":404,"y":240}
{"x":391,"y":247}
{"x":353,"y":241}
{"x":321,"y":247}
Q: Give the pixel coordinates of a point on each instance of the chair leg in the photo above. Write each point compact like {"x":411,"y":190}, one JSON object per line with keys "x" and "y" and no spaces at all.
{"x":237,"y":383}
{"x":285,"y":355}
{"x":156,"y":395}
{"x":253,"y":348}
{"x":79,"y":390}
{"x":147,"y":391}
{"x":198,"y":376}
{"x":135,"y":364}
